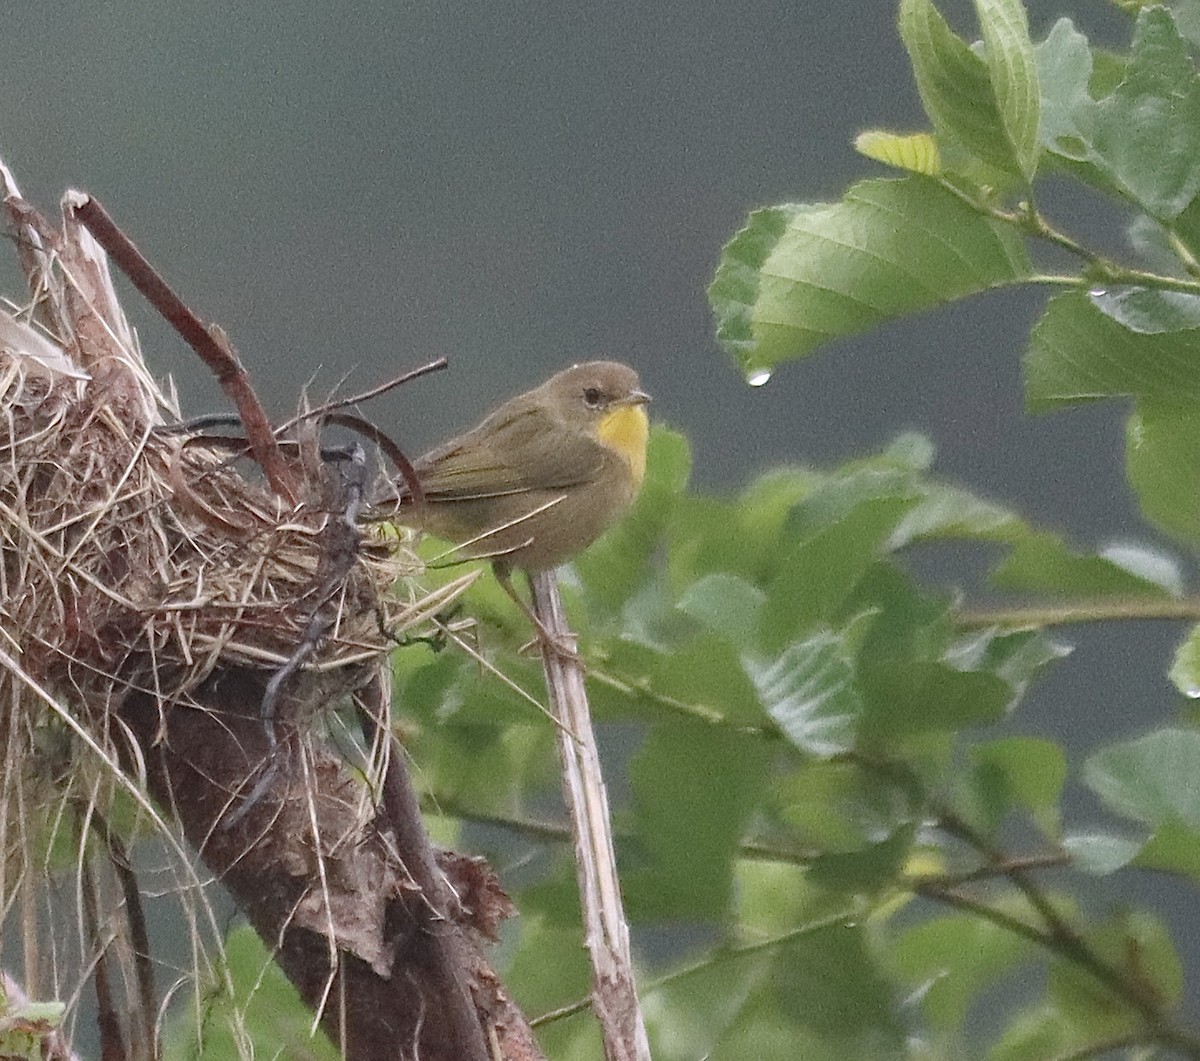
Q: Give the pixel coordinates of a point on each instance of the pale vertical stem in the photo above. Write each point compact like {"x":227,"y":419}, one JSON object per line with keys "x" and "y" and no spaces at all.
{"x":614,"y":996}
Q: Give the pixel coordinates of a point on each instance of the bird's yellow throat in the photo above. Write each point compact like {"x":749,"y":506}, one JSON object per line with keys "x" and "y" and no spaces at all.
{"x":626,"y":429}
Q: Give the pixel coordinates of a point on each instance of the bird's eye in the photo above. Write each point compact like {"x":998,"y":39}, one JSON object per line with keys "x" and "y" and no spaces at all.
{"x":593,"y":397}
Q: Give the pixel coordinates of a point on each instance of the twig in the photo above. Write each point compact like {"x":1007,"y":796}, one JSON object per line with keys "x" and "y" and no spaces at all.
{"x":713,"y":959}
{"x":393,"y":452}
{"x":210,"y":344}
{"x":365,"y":396}
{"x":1171,"y":609}
{"x":614,"y":997}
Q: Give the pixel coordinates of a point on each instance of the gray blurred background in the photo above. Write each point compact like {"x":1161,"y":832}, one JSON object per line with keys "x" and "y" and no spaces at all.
{"x":352,"y":189}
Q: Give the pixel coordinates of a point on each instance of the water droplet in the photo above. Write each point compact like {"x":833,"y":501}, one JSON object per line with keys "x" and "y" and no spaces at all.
{"x":757,"y":377}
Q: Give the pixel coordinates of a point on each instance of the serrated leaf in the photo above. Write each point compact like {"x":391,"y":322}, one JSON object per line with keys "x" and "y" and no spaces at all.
{"x":1014,"y":77}
{"x":1162,"y":460}
{"x":914,"y":152}
{"x":1154,"y":779}
{"x":889,"y":248}
{"x":1064,"y":63}
{"x":955,"y":86}
{"x":735,"y":289}
{"x":1147,"y":132}
{"x":1078,"y":354}
{"x":809,"y":691}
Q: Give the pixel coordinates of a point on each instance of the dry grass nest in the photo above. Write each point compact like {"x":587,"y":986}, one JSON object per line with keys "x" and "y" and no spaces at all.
{"x":135,"y":558}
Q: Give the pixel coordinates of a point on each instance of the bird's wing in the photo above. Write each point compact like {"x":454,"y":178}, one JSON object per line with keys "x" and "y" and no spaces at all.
{"x":514,"y":458}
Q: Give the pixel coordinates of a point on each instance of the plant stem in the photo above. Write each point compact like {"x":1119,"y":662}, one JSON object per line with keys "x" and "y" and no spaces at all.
{"x":1171,"y":609}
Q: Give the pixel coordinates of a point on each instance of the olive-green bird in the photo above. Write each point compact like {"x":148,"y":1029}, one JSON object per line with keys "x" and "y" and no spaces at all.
{"x":543,"y":475}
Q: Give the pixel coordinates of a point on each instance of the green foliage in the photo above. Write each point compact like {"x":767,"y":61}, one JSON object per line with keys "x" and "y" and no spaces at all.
{"x":813,"y":745}
{"x":824,"y":798}
{"x":26,"y":1027}
{"x":892,"y":779}
{"x":263,"y":1017}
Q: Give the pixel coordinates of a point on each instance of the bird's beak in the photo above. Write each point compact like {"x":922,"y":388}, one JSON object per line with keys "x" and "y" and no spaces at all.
{"x":636,"y":398}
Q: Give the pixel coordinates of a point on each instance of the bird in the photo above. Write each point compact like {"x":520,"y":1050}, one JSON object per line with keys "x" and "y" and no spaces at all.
{"x":541,"y":477}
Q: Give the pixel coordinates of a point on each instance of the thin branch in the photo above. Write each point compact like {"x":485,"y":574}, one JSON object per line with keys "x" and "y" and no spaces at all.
{"x":365,"y":396}
{"x":1098,"y":269}
{"x":210,"y":344}
{"x":713,"y":959}
{"x":1170,"y":609}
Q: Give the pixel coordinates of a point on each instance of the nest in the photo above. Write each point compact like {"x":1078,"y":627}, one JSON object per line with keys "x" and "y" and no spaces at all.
{"x":134,"y":558}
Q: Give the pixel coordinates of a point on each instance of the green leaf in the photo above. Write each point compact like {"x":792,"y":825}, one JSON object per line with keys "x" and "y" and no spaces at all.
{"x":1174,"y":848}
{"x":726,"y":605}
{"x":688,"y":1013}
{"x":1149,"y":312}
{"x":1031,"y":771}
{"x":909,"y":698}
{"x":615,"y":567}
{"x":809,"y":691}
{"x":735,"y":289}
{"x":952,"y":512}
{"x":828,"y":982}
{"x":1137,"y":945}
{"x":1147,"y":133}
{"x":694,"y":789}
{"x":818,"y":576}
{"x":550,"y":968}
{"x":1064,"y":71}
{"x":949,"y":961}
{"x":1041,"y":1034}
{"x":1185,"y":668}
{"x":1154,"y":779}
{"x":1078,"y":354}
{"x":889,"y":248}
{"x":1162,"y":459}
{"x":1100,"y":853}
{"x":872,"y":868}
{"x":707,"y":672}
{"x":1043,"y":563}
{"x":1013,"y":70}
{"x":956,"y":86}
{"x":265,"y":1015}
{"x":838,"y":807}
{"x":916,"y":152}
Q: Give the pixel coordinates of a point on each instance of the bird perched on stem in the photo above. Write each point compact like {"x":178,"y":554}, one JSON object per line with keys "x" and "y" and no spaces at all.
{"x":543,"y":475}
